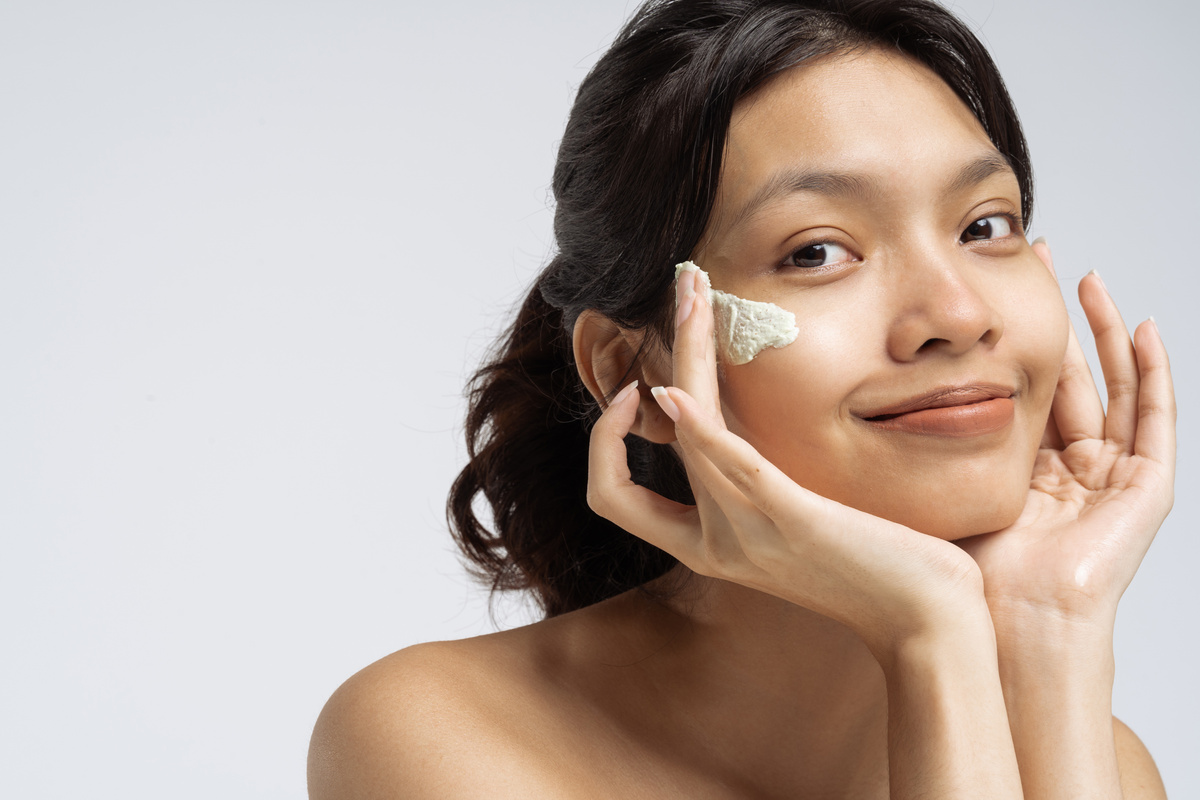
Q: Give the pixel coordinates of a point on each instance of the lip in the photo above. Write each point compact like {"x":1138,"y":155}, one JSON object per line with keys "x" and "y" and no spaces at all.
{"x":958,"y":411}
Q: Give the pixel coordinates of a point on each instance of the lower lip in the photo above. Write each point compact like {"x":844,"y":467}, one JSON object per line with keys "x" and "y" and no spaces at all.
{"x":973,"y":419}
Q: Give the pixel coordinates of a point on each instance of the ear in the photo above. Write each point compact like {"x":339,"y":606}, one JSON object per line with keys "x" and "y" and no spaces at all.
{"x":608,"y":357}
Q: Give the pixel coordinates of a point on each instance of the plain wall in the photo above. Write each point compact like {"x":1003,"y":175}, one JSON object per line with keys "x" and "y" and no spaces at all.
{"x":249,"y":252}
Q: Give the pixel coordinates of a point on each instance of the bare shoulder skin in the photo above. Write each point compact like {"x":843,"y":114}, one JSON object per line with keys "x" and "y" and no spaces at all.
{"x":583,"y":706}
{"x":556,"y":709}
{"x":435,"y":720}
{"x":1139,"y":774}
{"x":628,"y":698}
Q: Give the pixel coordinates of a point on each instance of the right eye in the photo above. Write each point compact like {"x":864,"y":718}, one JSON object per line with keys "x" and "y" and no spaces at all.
{"x":818,"y":254}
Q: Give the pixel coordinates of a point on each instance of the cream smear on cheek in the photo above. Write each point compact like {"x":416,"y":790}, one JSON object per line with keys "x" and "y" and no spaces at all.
{"x":744,"y":328}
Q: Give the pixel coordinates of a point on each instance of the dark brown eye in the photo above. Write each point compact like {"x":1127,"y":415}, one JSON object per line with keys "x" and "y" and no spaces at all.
{"x":820,"y":254}
{"x":996,"y":226}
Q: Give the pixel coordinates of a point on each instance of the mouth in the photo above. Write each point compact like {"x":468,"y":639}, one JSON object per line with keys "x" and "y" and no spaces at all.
{"x":957,"y":411}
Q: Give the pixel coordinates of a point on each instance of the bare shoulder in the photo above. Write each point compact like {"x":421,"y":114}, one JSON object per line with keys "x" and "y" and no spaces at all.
{"x":1139,"y":775}
{"x":442,"y":720}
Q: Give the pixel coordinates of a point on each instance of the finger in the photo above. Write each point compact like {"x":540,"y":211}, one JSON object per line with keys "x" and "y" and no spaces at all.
{"x":1076,"y":412}
{"x":714,"y":492}
{"x":1117,"y":360}
{"x":733,"y":470}
{"x":694,"y":357}
{"x":612,"y":494}
{"x":1156,"y":396}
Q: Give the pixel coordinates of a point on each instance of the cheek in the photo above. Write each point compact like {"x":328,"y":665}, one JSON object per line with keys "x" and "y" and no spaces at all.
{"x":791,"y":405}
{"x":790,"y":402}
{"x":1037,"y":325}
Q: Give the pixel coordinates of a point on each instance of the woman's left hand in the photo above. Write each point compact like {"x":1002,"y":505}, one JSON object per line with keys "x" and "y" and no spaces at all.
{"x":1102,"y":483}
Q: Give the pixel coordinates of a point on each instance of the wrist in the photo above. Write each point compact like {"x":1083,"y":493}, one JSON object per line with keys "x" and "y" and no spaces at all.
{"x":1044,"y":642}
{"x":1056,"y":673}
{"x":965,"y":637}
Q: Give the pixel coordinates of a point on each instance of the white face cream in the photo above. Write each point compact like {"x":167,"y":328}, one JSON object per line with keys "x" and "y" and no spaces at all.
{"x":745,"y":328}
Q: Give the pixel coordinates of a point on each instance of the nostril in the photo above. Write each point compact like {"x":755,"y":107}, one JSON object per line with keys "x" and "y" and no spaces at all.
{"x":932,"y":344}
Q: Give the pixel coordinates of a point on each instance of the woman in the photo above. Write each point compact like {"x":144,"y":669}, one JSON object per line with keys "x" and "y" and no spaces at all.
{"x":841,"y":579}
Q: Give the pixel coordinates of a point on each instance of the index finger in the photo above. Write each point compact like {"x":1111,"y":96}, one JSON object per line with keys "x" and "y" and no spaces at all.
{"x":612,"y":493}
{"x":694,"y":355}
{"x":1076,"y":412}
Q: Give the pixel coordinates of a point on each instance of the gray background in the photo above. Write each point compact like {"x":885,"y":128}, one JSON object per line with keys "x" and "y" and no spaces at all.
{"x":248,"y":253}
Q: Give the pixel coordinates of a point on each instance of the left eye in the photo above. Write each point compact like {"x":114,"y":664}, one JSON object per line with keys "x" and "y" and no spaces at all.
{"x":820,"y":254}
{"x":996,"y":226}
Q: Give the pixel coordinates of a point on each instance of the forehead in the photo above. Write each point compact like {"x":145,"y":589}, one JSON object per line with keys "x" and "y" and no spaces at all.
{"x":874,"y":112}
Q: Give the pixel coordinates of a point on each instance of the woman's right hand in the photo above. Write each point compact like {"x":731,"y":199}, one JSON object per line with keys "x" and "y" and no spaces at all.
{"x":754,"y":526}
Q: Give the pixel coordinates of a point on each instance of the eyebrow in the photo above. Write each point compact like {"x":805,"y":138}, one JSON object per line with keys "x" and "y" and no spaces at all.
{"x":857,"y":186}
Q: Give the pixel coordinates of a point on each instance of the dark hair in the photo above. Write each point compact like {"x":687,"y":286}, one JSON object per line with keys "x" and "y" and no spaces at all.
{"x":634,"y":185}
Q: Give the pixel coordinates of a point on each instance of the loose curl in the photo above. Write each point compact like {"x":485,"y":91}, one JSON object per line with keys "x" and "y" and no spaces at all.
{"x":634,"y":186}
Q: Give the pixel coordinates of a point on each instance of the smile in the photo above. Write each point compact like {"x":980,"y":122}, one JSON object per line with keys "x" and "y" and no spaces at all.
{"x":959,"y":411}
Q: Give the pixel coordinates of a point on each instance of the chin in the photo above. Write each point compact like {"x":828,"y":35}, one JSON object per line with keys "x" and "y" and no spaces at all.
{"x":964,"y":519}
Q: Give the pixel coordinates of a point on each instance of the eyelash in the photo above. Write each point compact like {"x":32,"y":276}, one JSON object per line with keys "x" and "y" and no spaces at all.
{"x":1016,"y":226}
{"x":794,"y":255}
{"x":1015,"y":223}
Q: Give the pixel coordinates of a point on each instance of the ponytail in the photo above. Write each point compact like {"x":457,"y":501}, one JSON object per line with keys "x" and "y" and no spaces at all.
{"x":527,"y":440}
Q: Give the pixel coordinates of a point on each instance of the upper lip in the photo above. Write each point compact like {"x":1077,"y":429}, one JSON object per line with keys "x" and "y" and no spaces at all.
{"x":942,"y":397}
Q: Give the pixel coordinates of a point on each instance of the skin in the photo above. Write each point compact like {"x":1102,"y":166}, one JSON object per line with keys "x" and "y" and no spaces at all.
{"x":871,"y":612}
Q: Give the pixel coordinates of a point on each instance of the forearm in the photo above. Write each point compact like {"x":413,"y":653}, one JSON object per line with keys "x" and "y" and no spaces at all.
{"x":948,"y":732}
{"x":1057,"y":678}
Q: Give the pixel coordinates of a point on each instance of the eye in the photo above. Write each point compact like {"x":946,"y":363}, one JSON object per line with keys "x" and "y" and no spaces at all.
{"x":818,"y":254}
{"x":997,"y":226}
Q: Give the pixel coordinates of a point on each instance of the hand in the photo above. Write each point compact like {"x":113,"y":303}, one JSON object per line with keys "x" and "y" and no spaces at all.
{"x":754,"y":526}
{"x":1101,"y":486}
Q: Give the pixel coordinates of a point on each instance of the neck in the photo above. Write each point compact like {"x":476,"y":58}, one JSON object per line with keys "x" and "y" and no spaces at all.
{"x":779,"y":686}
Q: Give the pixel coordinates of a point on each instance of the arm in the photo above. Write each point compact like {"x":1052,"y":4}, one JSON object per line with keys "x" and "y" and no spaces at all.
{"x":1058,"y":690}
{"x":947,"y":730}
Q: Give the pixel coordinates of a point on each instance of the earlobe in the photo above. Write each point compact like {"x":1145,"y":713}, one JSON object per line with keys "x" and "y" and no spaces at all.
{"x":608,"y":358}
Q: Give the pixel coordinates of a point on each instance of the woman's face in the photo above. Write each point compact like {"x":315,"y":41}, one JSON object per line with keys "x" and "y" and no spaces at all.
{"x":861,"y":194}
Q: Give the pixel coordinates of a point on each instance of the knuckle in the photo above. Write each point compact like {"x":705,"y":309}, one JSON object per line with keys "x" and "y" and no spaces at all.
{"x":1122,"y":387}
{"x":1152,"y":411}
{"x":743,"y":476}
{"x":1070,"y":373}
{"x":705,"y":438}
{"x":1106,"y":326}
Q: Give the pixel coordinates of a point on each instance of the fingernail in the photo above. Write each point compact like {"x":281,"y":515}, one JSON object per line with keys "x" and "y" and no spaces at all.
{"x":1042,"y":240}
{"x":1097,"y":274}
{"x":685,"y":285}
{"x":665,"y":402}
{"x":624,"y":393}
{"x":685,"y":309}
{"x":685,"y":296}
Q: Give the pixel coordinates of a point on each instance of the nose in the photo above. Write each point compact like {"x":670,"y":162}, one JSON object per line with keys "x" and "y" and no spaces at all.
{"x":940,"y":309}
